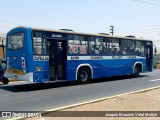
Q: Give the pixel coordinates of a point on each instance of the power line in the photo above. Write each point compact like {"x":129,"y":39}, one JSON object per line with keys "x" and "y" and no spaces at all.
{"x":5,"y":27}
{"x":140,"y":29}
{"x":147,"y":2}
{"x":156,"y":0}
{"x":9,"y":22}
{"x":143,"y":27}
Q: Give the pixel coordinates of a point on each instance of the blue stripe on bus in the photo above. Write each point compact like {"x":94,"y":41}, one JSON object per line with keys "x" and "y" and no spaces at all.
{"x":104,"y":68}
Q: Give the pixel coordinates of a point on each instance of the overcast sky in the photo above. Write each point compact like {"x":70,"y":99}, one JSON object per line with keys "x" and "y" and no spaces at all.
{"x":129,"y":17}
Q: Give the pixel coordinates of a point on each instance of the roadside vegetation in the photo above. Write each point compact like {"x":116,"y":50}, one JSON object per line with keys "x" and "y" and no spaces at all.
{"x":156,"y":63}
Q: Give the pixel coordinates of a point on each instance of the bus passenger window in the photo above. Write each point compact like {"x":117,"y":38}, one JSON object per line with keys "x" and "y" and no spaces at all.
{"x":95,"y":50}
{"x":142,"y":51}
{"x":39,"y":43}
{"x":114,"y":51}
{"x":77,"y":44}
{"x":138,"y":53}
{"x":70,"y":50}
{"x":103,"y":50}
{"x":83,"y":49}
{"x":75,"y":49}
{"x":128,"y":50}
{"x":114,"y":46}
{"x":128,"y":46}
{"x":37,"y":50}
{"x":124,"y":52}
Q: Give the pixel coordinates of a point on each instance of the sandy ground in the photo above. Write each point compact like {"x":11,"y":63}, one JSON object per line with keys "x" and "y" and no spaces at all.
{"x":144,"y":101}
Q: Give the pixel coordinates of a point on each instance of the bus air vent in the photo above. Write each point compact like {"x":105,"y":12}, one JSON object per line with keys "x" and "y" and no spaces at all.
{"x":104,"y":33}
{"x":67,"y":30}
{"x":131,"y":36}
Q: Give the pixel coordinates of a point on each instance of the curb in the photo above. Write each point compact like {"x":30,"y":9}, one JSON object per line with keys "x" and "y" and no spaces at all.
{"x":98,"y":100}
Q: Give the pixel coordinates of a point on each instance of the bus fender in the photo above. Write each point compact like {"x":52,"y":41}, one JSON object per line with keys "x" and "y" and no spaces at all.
{"x":84,"y":65}
{"x":136,"y":64}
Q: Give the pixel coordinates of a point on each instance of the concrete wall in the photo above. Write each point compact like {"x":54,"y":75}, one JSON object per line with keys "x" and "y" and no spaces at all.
{"x":2,"y":40}
{"x":2,"y":55}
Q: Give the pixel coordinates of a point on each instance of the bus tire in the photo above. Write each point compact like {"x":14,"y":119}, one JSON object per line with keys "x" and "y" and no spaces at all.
{"x":5,"y":80}
{"x":136,"y":72}
{"x":84,"y":75}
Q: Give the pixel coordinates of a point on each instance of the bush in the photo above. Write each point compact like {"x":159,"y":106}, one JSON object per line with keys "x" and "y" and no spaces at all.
{"x":155,"y":65}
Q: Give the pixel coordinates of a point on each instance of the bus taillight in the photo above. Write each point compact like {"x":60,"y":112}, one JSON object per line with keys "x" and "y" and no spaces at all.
{"x":23,"y":64}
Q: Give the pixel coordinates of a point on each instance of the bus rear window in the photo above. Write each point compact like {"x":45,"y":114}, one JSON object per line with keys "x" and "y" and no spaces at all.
{"x":15,"y":41}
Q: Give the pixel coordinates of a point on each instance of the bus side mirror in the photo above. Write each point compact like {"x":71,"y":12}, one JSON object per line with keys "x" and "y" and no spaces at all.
{"x":155,"y":50}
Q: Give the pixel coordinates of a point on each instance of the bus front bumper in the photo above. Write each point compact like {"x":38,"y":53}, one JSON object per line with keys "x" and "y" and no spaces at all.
{"x":27,"y":77}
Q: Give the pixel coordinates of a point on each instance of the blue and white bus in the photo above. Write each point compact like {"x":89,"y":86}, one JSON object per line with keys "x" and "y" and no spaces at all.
{"x":42,"y":55}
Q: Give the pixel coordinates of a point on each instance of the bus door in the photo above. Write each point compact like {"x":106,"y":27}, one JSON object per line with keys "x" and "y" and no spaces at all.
{"x":149,"y":57}
{"x":57,"y":58}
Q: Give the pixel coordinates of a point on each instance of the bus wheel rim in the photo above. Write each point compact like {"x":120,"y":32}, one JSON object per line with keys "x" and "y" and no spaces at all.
{"x":83,"y":76}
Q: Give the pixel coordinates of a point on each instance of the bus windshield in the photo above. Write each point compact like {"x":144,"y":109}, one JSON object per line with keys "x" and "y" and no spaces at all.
{"x":15,"y":41}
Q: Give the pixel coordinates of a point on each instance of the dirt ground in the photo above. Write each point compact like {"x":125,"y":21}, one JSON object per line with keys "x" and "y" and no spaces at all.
{"x":144,"y":101}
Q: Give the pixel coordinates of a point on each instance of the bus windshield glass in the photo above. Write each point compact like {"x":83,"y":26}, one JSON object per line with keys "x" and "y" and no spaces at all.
{"x":15,"y":41}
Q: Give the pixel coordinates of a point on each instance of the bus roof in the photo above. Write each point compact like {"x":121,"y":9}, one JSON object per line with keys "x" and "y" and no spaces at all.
{"x":82,"y":33}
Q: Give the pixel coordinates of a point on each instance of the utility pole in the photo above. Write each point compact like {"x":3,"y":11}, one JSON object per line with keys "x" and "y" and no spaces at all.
{"x":112,"y":30}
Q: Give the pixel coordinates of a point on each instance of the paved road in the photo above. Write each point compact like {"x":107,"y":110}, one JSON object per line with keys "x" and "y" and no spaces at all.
{"x":39,"y":97}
